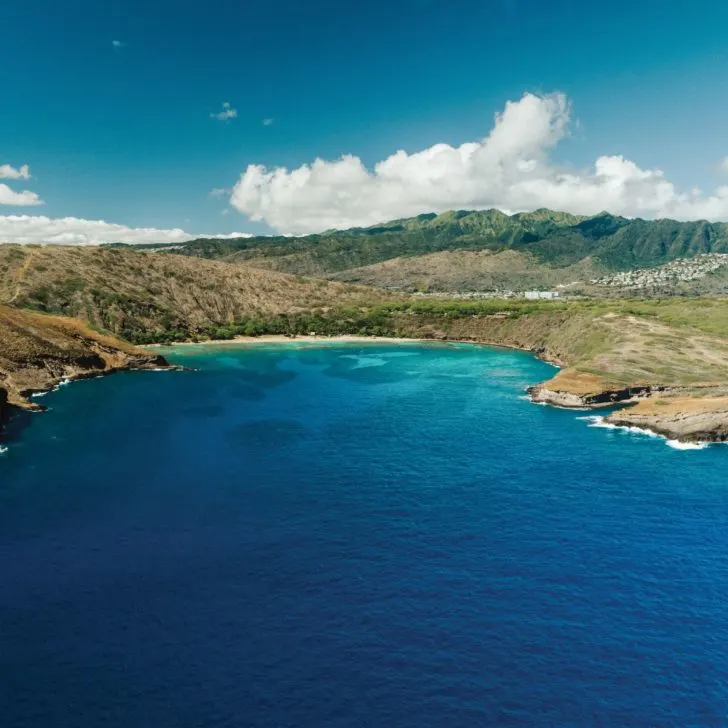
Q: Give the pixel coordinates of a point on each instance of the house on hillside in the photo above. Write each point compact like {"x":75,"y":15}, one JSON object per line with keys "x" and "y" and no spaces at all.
{"x":541,"y":295}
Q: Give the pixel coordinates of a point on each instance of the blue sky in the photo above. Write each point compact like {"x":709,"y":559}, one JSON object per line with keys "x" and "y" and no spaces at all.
{"x":124,"y":132}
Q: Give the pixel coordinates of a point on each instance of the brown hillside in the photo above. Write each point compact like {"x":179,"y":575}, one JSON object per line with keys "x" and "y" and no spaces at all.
{"x":37,"y":351}
{"x":457,"y":271}
{"x":128,"y":292}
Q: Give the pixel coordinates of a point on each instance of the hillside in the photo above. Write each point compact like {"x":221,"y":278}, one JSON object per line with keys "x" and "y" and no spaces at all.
{"x":458,"y":271}
{"x":150,"y":296}
{"x":38,"y":351}
{"x":552,"y":243}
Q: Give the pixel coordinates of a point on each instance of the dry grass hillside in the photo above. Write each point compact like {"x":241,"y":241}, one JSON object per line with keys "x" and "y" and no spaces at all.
{"x":457,"y":271}
{"x":603,"y":345}
{"x":134,"y":294}
{"x":37,"y":351}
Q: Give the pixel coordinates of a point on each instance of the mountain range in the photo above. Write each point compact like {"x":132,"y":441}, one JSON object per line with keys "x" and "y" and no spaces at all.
{"x":464,"y":250}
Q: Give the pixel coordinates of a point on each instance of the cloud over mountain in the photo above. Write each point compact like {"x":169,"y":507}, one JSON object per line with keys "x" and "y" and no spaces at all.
{"x":509,"y":169}
{"x":77,"y":231}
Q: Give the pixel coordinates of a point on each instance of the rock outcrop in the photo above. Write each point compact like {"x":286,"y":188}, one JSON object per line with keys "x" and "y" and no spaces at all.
{"x":682,"y":414}
{"x":578,"y":390}
{"x":686,"y":419}
{"x":38,"y":351}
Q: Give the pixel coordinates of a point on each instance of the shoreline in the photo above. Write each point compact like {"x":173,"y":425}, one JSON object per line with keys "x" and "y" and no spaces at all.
{"x":600,"y":422}
{"x":568,"y":389}
{"x":352,"y":339}
{"x":283,"y":339}
{"x":545,"y":393}
{"x":581,"y":393}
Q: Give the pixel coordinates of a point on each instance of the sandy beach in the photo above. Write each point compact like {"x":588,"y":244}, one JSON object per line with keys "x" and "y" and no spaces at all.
{"x":282,"y":339}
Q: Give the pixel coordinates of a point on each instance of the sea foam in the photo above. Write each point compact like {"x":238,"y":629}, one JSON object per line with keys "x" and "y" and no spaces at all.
{"x":599,"y":421}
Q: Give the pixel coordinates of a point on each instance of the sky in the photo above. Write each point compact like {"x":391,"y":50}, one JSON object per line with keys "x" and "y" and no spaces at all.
{"x":138,"y":121}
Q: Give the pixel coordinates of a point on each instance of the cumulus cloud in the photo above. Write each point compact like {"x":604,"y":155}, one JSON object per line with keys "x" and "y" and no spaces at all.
{"x":9,"y":172}
{"x":509,"y":169}
{"x":18,"y":199}
{"x":77,"y":231}
{"x":226,"y":114}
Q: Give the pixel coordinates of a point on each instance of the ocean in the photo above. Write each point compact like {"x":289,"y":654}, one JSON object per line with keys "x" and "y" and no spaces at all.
{"x":354,"y":535}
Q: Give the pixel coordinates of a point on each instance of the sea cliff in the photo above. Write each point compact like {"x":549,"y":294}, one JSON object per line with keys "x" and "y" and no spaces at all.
{"x":37,"y":352}
{"x":680,"y":414}
{"x":685,"y":419}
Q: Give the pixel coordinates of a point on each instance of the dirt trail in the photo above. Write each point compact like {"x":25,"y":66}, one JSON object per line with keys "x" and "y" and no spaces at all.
{"x":21,"y":275}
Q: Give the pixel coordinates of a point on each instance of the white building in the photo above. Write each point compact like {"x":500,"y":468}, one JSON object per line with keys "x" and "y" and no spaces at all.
{"x":538,"y":295}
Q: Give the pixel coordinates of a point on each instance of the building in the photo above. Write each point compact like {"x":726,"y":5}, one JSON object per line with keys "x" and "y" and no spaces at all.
{"x":539,"y":295}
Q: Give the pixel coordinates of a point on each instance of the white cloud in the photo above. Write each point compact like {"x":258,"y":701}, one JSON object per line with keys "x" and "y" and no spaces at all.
{"x":268,"y":122}
{"x":219,"y":192}
{"x":723,"y":166}
{"x":118,"y":44}
{"x":223,"y":236}
{"x":9,"y":172}
{"x":226,"y":114}
{"x":18,"y":199}
{"x":509,"y":169}
{"x":76,"y":231}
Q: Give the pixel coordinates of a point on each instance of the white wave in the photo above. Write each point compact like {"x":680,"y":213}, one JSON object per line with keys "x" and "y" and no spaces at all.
{"x":677,"y":445}
{"x":55,"y":388}
{"x":599,"y":421}
{"x":3,"y":449}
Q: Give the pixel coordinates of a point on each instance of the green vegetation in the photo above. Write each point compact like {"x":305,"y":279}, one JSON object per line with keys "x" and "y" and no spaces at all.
{"x":616,"y":339}
{"x":148,"y":297}
{"x":551,"y":239}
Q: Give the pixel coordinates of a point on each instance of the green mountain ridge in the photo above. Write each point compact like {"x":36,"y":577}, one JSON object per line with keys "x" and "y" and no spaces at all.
{"x":558,"y":242}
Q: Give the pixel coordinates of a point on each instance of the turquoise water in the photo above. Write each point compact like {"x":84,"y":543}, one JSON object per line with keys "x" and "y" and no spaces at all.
{"x":354,"y":535}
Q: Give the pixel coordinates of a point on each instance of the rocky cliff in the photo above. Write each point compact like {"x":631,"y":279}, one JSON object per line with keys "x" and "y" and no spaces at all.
{"x":39,"y":351}
{"x":687,"y":419}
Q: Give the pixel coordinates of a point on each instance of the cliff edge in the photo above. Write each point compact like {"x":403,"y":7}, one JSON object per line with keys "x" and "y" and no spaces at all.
{"x":38,"y":351}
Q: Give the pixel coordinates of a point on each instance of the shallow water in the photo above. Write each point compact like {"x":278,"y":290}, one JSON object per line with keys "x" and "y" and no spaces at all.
{"x":355,"y":535}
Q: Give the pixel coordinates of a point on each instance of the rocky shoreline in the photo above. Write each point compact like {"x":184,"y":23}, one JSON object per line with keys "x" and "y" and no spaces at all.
{"x":606,"y":398}
{"x":683,"y":419}
{"x":38,"y":352}
{"x":19,"y":400}
{"x":664,"y":411}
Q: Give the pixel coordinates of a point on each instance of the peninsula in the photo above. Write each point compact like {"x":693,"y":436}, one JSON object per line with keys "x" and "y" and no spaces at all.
{"x":38,"y":351}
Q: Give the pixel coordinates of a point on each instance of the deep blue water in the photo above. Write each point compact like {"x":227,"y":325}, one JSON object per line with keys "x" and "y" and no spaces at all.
{"x":362,"y":535}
